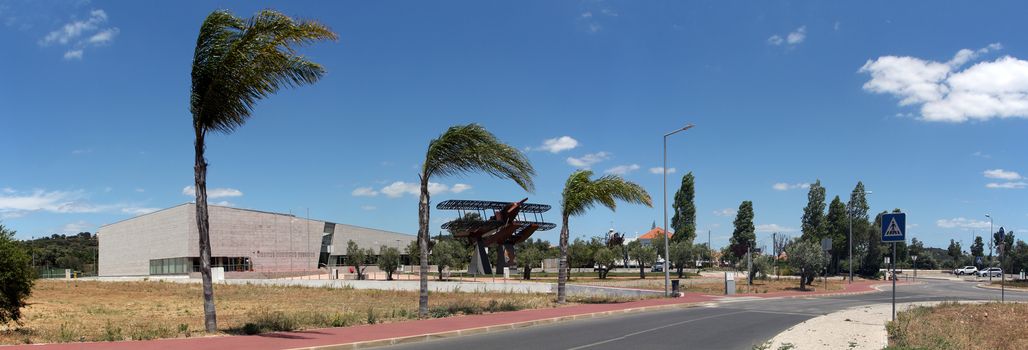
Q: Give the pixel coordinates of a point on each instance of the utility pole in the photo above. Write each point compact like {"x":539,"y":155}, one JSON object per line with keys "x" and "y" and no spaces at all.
{"x":774,"y":249}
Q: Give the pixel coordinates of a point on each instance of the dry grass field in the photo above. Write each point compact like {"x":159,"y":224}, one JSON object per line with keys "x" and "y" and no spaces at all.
{"x":991,"y":326}
{"x":69,"y":311}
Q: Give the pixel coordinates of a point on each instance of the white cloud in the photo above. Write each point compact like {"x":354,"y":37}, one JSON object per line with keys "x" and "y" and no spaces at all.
{"x":782,"y":186}
{"x":364,"y":192}
{"x":596,"y":12}
{"x":138,"y":211}
{"x":103,"y":37}
{"x":768,"y":228}
{"x":73,"y":35}
{"x":368,"y":207}
{"x":588,"y":160}
{"x":795,"y":37}
{"x":53,"y":201}
{"x":962,"y":222}
{"x":74,"y":29}
{"x":622,"y":169}
{"x":945,"y":93}
{"x":658,"y":170}
{"x":557,"y":145}
{"x":837,"y":25}
{"x":725,"y":212}
{"x":76,"y":227}
{"x":213,"y":193}
{"x":981,"y":155}
{"x":458,"y":188}
{"x":224,"y":204}
{"x":73,"y":55}
{"x":140,"y":190}
{"x":1002,"y":174}
{"x":399,"y":188}
{"x":1007,"y":185}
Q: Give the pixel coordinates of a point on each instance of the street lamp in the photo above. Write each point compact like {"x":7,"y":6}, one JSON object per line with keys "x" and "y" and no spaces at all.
{"x":992,"y":239}
{"x":667,"y":249}
{"x":850,"y":212}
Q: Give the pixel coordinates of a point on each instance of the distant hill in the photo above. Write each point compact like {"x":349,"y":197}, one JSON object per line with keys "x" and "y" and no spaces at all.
{"x":77,"y":252}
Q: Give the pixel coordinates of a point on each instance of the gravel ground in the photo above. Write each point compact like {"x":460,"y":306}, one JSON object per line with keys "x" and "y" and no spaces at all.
{"x":860,"y":327}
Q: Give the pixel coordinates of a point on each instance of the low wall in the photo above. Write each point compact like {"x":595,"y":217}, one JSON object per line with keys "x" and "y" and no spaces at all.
{"x":414,"y":285}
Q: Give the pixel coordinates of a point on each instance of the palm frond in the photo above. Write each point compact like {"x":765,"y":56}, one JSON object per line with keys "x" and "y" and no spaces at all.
{"x":581,"y":193}
{"x":238,"y":62}
{"x":472,"y":148}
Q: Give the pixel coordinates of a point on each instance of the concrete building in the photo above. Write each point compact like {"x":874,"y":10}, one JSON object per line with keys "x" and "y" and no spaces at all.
{"x":247,"y":243}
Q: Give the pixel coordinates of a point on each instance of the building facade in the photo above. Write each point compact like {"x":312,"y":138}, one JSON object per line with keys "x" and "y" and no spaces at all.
{"x":247,"y":243}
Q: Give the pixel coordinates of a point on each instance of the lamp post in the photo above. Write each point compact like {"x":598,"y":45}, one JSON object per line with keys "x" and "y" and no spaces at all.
{"x":992,"y":239}
{"x":849,"y":209}
{"x":667,"y":274}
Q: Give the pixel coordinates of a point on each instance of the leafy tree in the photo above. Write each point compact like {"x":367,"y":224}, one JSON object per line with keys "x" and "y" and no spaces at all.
{"x":872,"y":260}
{"x":745,"y":232}
{"x":447,"y":253}
{"x":681,"y":254}
{"x":460,"y":150}
{"x":1017,"y":259}
{"x":388,"y":260}
{"x":954,"y":252}
{"x":528,"y":257}
{"x":814,"y":213}
{"x":806,"y":257}
{"x":236,"y":63}
{"x":683,"y":223}
{"x":581,"y":194}
{"x":358,"y":257}
{"x":580,"y":254}
{"x":413,"y":253}
{"x":15,"y":277}
{"x":857,"y":211}
{"x":604,"y":258}
{"x":645,"y":255}
{"x":837,"y":227}
{"x":978,"y":247}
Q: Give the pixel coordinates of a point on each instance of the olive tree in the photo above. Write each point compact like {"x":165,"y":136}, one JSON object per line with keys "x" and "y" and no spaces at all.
{"x":604,"y":258}
{"x":528,"y":257}
{"x":358,"y":258}
{"x":388,"y":260}
{"x":806,"y":257}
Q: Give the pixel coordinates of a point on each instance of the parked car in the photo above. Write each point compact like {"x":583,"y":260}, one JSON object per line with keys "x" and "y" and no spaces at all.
{"x":966,"y":270}
{"x":991,"y":272}
{"x":658,"y":267}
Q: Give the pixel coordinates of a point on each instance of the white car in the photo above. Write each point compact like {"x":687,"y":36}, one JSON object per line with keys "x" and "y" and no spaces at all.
{"x":990,"y":272}
{"x":966,"y":270}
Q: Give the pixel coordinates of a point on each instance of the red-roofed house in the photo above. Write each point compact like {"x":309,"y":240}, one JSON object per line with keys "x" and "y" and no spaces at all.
{"x":657,"y":233}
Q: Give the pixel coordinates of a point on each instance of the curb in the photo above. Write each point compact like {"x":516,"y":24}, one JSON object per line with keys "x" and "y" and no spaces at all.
{"x":494,"y":328}
{"x":1011,"y":289}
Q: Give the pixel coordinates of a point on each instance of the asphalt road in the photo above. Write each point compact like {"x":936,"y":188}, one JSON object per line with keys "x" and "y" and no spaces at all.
{"x":737,"y":324}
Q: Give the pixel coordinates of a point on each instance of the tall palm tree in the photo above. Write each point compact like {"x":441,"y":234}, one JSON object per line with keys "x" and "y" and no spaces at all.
{"x":236,"y":63}
{"x":582,"y":193}
{"x":460,"y":150}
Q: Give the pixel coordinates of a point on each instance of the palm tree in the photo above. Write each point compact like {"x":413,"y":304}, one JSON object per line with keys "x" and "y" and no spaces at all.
{"x":580,"y":194}
{"x":236,"y":63}
{"x":464,"y":149}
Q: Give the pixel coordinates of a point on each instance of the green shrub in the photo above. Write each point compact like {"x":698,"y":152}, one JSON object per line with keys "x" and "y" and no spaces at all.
{"x":15,"y":277}
{"x":263,"y":320}
{"x":111,"y":333}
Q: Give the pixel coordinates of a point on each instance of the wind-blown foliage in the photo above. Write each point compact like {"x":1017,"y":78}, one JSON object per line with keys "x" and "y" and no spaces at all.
{"x":460,"y":150}
{"x":581,"y":194}
{"x":236,"y":63}
{"x":15,"y":277}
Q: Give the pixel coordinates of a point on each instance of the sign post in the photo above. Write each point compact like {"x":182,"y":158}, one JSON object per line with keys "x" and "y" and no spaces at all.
{"x":894,"y":229}
{"x":914,"y":257}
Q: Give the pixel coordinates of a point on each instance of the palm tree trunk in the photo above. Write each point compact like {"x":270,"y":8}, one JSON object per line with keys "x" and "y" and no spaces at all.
{"x":210,"y":319}
{"x":562,"y":273}
{"x":423,"y":212}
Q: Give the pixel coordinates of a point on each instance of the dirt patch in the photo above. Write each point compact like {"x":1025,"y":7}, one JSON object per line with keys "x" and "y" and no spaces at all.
{"x":70,"y":311}
{"x":961,"y":326}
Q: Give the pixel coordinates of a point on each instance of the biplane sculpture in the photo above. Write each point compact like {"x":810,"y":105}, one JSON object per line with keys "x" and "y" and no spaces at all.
{"x":500,"y":224}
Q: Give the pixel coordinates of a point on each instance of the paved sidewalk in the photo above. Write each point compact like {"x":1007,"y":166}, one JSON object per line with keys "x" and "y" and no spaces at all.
{"x":419,"y":330}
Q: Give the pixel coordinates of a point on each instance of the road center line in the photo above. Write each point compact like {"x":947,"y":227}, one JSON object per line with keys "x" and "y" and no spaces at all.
{"x":654,"y":329}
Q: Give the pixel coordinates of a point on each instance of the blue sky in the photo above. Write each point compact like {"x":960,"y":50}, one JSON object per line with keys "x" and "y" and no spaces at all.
{"x":96,"y":127}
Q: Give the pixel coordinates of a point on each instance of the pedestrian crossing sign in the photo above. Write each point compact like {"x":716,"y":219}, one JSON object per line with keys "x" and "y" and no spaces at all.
{"x":894,"y":227}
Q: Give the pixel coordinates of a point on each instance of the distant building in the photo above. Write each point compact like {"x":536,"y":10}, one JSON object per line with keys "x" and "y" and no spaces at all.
{"x":657,"y":233}
{"x":247,"y":243}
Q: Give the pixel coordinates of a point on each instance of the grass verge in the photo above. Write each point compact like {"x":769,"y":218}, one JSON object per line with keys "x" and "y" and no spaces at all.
{"x":73,"y":311}
{"x":960,"y":326}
